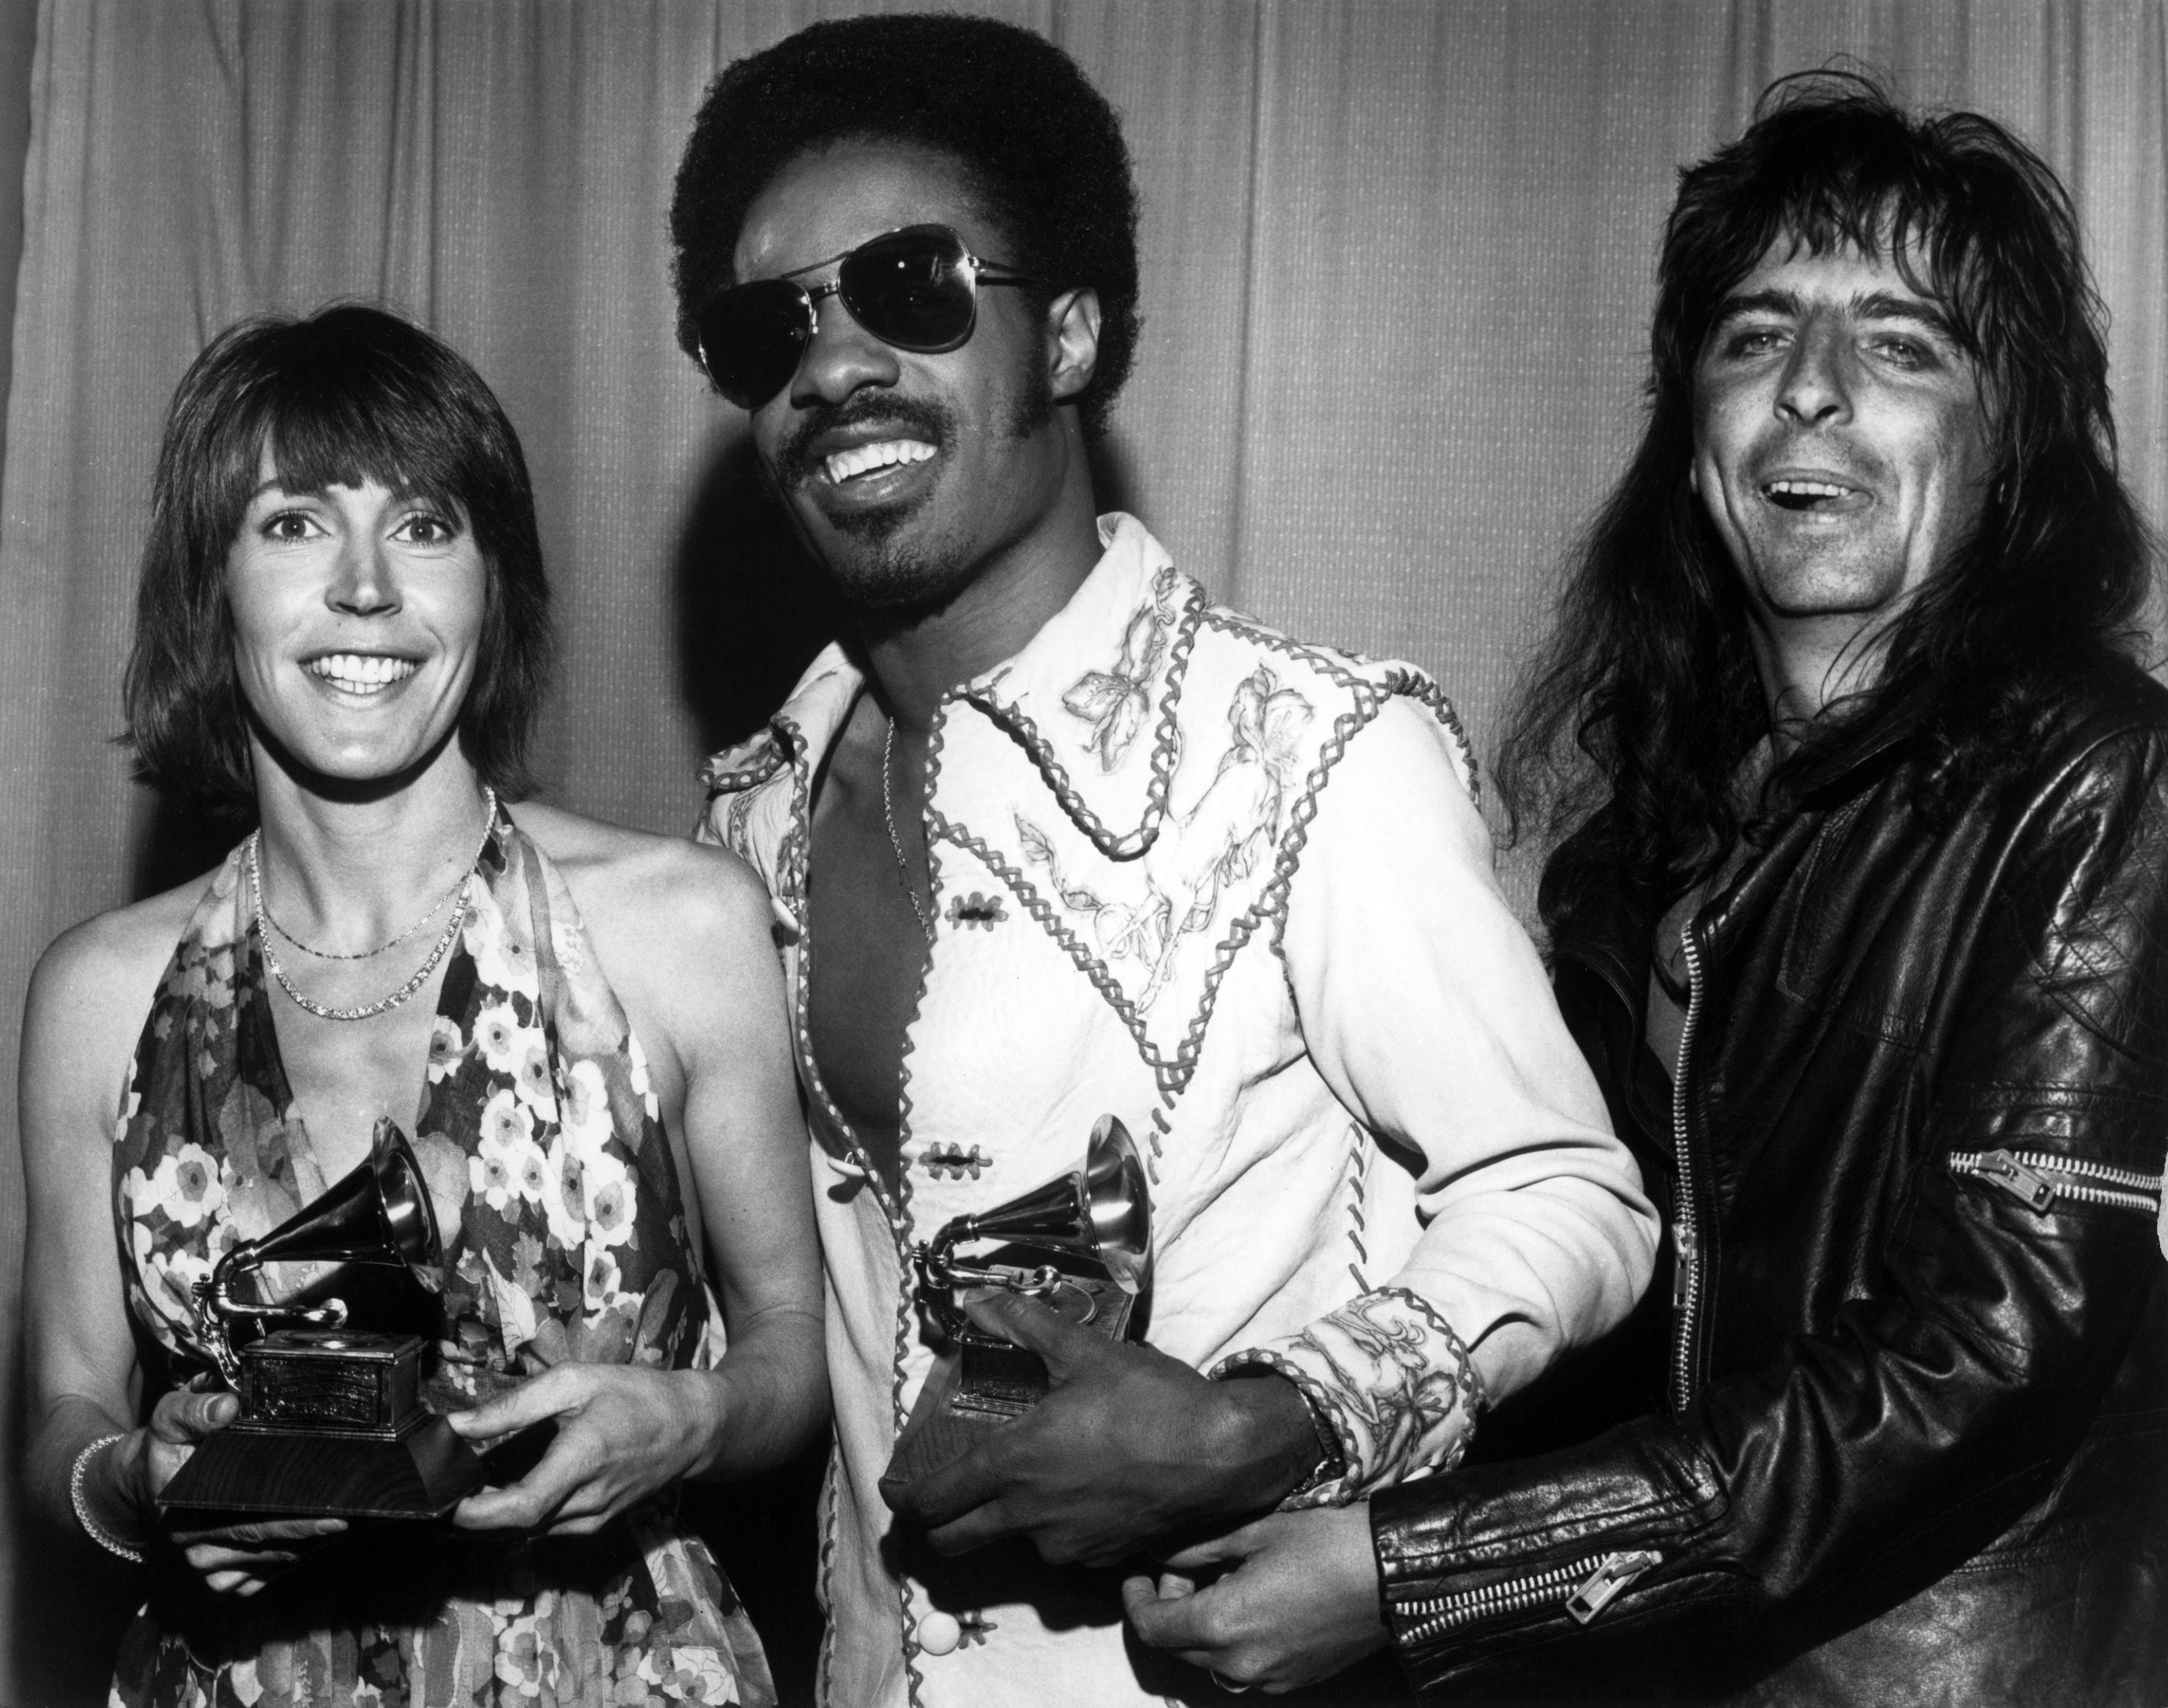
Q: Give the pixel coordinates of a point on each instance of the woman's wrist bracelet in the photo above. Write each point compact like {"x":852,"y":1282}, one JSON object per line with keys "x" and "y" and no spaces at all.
{"x":112,"y":1545}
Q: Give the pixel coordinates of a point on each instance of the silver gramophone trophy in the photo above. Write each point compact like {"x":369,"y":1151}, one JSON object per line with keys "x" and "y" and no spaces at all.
{"x":331,"y":1420}
{"x":1090,"y":1233}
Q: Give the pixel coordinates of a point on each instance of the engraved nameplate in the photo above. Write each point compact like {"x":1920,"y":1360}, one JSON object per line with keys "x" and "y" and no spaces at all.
{"x":340,"y":1382}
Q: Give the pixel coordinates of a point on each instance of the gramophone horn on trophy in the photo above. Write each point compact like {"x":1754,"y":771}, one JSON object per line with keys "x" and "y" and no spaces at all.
{"x":1090,"y":1231}
{"x":331,"y":1420}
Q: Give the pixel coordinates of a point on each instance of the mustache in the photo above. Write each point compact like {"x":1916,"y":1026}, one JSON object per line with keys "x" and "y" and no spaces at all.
{"x":927,"y":420}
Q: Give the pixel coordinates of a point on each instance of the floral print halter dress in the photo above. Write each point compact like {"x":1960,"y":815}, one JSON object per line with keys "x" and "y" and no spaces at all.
{"x":565,"y":1238}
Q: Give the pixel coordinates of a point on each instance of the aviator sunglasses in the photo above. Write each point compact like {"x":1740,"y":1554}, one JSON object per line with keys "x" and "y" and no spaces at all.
{"x":917,"y":289}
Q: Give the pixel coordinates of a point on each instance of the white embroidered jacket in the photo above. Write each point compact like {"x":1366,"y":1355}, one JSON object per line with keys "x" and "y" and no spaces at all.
{"x":1233,"y":889}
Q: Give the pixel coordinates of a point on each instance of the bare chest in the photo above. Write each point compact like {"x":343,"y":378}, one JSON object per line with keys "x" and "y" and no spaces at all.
{"x":866,"y":961}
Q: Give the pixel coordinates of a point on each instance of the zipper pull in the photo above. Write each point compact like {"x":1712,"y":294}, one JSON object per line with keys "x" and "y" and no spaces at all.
{"x":1608,"y":1581}
{"x":2036,"y":1192}
{"x":1685,"y":1250}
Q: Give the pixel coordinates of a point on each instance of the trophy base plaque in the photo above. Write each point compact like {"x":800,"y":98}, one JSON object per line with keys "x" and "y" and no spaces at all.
{"x":281,"y":1474}
{"x":985,"y":1382}
{"x":332,"y":1426}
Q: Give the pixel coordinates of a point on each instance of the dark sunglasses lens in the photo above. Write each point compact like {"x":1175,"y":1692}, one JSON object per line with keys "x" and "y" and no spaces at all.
{"x":751,"y":338}
{"x":910,"y":288}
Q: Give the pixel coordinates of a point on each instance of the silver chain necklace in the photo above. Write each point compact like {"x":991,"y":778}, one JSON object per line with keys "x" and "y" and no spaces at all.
{"x":464,"y":893}
{"x":895,"y":841}
{"x":272,"y":920}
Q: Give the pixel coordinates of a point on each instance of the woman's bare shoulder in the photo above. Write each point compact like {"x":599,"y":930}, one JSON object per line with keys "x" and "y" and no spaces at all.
{"x":87,"y":999}
{"x":121,"y":948}
{"x":659,"y":889}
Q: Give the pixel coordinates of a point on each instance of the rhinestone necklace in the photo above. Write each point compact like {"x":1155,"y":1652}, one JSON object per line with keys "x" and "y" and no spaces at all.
{"x":896,"y":842}
{"x":465,"y":891}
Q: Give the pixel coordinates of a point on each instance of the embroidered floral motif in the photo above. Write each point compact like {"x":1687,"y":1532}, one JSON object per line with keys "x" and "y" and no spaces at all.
{"x":975,"y":909}
{"x":1116,"y":702}
{"x":566,"y":1239}
{"x":1224,"y":833}
{"x":1392,"y":1379}
{"x":735,"y":836}
{"x":954,"y":1161}
{"x":972,"y":1628}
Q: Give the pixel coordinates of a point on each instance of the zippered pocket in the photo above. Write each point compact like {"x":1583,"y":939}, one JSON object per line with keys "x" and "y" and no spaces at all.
{"x":1594,"y":1582}
{"x":2038,"y":1179}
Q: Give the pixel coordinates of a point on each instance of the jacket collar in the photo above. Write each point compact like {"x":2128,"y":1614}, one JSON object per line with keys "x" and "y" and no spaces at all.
{"x":1857,"y":755}
{"x":1606,"y":928}
{"x":805,"y":725}
{"x":1582,"y":872}
{"x":1594,"y":920}
{"x":1091,"y":696}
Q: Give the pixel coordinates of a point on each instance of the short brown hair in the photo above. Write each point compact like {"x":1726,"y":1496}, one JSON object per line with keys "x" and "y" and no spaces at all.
{"x":349,"y":393}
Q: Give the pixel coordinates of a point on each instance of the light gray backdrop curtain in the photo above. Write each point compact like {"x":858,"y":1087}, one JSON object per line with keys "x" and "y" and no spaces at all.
{"x":1397,"y":271}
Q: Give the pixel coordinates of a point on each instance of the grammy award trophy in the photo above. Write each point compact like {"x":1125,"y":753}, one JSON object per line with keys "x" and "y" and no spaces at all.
{"x":331,"y":1420}
{"x":1081,"y":1245}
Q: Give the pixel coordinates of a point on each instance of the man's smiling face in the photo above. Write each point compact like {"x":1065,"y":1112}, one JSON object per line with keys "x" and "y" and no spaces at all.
{"x":905,"y":473}
{"x":1841,"y":442}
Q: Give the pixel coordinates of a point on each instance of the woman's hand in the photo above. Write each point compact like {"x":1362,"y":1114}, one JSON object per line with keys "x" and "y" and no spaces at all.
{"x":1300,"y":1603}
{"x":622,"y":1432}
{"x":152,"y":1458}
{"x":234,"y":1559}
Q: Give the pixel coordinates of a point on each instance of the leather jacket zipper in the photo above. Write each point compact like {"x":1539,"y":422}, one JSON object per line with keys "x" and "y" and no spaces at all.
{"x":1686,"y":1216}
{"x":2036,"y":1179}
{"x":1596,"y":1582}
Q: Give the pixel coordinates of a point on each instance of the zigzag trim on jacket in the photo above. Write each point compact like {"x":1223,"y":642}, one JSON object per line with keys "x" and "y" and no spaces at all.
{"x":1173,"y":1072}
{"x":1127,"y":845}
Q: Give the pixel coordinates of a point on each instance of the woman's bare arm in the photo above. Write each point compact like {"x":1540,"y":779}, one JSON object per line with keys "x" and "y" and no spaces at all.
{"x":682,"y":933}
{"x":87,"y":997}
{"x":87,"y":1002}
{"x":745,"y":1130}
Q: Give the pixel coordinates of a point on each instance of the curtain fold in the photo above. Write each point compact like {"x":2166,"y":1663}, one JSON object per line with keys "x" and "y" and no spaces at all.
{"x":1397,"y":261}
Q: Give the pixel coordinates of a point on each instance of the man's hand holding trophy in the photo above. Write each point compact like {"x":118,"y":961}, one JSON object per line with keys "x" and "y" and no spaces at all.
{"x":1084,"y":1243}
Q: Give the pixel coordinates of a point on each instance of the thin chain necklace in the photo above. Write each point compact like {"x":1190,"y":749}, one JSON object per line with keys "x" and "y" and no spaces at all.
{"x":464,"y":893}
{"x":896,"y":842}
{"x":272,"y":920}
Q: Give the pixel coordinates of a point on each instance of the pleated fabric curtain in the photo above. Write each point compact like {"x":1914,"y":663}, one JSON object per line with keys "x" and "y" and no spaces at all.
{"x":1397,"y":260}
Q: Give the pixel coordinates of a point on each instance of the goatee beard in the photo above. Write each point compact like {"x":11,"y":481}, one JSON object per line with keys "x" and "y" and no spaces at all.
{"x":902,"y":584}
{"x":896,"y":584}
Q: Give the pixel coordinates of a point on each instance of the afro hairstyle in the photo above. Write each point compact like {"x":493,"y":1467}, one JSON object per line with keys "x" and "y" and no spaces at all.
{"x":1040,"y":147}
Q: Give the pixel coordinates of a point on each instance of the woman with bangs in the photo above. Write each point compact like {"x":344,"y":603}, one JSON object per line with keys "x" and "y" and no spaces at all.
{"x":343,"y":633}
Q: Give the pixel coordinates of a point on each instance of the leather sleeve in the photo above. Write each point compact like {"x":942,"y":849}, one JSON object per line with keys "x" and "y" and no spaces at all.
{"x":1858,"y":1465}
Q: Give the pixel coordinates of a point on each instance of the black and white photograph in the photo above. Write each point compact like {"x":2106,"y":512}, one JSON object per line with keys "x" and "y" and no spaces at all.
{"x":1044,"y":853}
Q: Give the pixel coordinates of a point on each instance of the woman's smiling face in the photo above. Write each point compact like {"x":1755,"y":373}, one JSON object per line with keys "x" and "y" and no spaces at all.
{"x":356,"y":616}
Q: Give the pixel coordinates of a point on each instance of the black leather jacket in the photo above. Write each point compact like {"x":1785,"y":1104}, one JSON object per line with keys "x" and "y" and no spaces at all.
{"x":1904,"y":1436}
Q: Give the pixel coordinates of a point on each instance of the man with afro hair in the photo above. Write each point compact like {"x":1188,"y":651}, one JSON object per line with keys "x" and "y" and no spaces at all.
{"x":1062,"y":832}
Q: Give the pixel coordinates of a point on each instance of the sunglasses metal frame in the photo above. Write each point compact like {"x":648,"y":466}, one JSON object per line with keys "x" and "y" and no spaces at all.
{"x":975,"y":270}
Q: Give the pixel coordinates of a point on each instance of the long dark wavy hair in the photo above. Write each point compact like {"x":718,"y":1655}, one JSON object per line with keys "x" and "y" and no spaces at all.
{"x":350,"y":392}
{"x":1645,"y":690}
